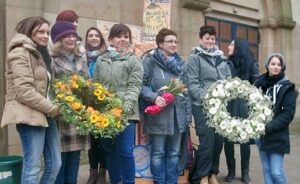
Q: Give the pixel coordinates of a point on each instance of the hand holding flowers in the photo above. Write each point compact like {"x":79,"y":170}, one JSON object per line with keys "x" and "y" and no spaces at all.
{"x":175,"y":87}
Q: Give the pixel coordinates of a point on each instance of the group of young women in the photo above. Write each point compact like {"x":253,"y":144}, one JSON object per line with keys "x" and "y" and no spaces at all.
{"x":30,"y":69}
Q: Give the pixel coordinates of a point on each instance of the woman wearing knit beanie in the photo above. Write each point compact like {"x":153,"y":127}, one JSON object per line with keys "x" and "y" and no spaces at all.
{"x":67,"y":60}
{"x":276,"y":142}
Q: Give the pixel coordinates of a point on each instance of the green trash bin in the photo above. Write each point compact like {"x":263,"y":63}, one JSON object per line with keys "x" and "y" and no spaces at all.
{"x":10,"y":169}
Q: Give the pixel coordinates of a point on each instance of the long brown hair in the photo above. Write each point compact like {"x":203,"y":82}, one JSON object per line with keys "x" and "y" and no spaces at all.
{"x":102,"y":46}
{"x":27,"y":25}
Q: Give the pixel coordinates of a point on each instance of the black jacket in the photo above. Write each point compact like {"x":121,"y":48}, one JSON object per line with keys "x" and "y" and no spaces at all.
{"x":276,"y":139}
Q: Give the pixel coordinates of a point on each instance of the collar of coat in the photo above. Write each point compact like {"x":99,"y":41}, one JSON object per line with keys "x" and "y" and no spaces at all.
{"x":21,"y":40}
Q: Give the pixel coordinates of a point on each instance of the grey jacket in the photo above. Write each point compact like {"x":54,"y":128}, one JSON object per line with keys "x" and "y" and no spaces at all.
{"x":205,"y":68}
{"x":177,"y":112}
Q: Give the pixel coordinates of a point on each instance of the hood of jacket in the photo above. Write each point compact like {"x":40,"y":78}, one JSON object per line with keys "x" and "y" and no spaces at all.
{"x":24,"y":41}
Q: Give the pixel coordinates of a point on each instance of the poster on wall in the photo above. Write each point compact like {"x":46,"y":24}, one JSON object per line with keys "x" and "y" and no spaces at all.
{"x":105,"y":27}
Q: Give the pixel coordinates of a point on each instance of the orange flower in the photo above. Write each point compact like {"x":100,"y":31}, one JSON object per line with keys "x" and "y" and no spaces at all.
{"x":104,"y":122}
{"x":74,"y":78}
{"x":90,"y":109}
{"x":88,"y":82}
{"x":75,"y":105}
{"x":117,"y":112}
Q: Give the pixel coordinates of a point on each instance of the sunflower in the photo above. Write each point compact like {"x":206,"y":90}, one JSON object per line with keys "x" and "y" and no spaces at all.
{"x":97,"y":92}
{"x":59,"y":95}
{"x":56,"y":85}
{"x":69,"y":98}
{"x":101,"y":97}
{"x":94,"y":118}
{"x":104,"y":122}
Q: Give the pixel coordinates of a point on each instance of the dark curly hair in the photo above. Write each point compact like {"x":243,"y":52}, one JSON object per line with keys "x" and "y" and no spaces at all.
{"x":160,"y":37}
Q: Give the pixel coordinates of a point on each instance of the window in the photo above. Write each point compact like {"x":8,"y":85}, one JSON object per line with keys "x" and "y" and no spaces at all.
{"x":228,"y":30}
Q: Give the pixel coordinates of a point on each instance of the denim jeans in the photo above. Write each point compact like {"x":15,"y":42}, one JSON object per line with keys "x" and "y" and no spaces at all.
{"x":272,"y":166}
{"x":119,"y":156}
{"x":164,"y":158}
{"x":38,"y":141}
{"x":69,"y":168}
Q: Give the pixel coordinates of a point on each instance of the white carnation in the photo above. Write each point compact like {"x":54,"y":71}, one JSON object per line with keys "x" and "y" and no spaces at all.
{"x":267,"y":112}
{"x":212,"y":110}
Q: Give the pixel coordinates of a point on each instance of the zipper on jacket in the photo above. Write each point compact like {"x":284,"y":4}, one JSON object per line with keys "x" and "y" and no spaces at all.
{"x":162,"y":73}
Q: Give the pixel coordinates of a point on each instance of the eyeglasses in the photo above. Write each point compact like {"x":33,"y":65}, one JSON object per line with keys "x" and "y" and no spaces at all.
{"x":171,"y":41}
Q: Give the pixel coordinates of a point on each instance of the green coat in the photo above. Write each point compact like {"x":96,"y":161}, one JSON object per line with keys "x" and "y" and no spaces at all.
{"x":123,"y":75}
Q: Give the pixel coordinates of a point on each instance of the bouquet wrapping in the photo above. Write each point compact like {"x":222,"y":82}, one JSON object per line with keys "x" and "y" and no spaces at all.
{"x":175,"y":87}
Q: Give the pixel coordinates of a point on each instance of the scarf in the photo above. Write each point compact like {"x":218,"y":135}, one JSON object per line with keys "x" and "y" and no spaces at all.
{"x":172,"y":63}
{"x":267,"y":81}
{"x":122,"y":54}
{"x":92,"y":56}
{"x":46,"y":57}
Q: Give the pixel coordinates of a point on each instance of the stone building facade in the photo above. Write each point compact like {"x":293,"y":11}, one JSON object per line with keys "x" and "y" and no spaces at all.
{"x":272,"y":26}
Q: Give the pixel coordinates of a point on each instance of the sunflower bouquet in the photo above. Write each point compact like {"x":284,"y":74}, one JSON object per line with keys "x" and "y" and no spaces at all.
{"x":89,"y":106}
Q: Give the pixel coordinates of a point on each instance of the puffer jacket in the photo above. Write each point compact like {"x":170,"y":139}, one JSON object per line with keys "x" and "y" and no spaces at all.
{"x":178,"y":113}
{"x":122,"y":75}
{"x":26,"y":85}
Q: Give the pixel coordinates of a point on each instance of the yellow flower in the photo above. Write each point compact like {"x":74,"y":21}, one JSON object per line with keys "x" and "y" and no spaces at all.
{"x":56,"y":85}
{"x":74,"y":85}
{"x":59,"y":95}
{"x":99,"y":86}
{"x":118,"y":124}
{"x":94,"y":118}
{"x":69,"y":98}
{"x":76,"y":105}
{"x":101,"y":97}
{"x":75,"y":78}
{"x":97,"y":92}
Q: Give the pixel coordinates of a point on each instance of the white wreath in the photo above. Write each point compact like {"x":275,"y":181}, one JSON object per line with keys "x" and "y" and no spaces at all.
{"x":237,"y":129}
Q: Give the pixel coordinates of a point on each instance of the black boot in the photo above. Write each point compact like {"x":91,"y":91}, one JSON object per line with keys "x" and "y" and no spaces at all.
{"x":230,"y":176}
{"x":245,"y":176}
{"x":231,"y":170}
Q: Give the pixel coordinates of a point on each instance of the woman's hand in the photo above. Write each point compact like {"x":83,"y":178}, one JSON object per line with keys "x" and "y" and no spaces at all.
{"x":160,"y":101}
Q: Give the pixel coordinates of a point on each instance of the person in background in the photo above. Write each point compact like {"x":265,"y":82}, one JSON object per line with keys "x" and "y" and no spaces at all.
{"x":121,"y":71}
{"x":246,"y":68}
{"x":68,"y":60}
{"x":28,"y":78}
{"x":276,"y":142}
{"x":165,"y":128}
{"x":68,"y":15}
{"x":95,"y":46}
{"x":205,"y":66}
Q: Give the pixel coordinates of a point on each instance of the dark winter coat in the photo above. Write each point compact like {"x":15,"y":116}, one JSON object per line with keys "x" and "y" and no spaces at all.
{"x":179,"y":111}
{"x":276,"y":139}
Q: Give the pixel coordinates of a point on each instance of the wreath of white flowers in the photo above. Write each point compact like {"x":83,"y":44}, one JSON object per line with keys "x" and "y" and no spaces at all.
{"x":237,"y":129}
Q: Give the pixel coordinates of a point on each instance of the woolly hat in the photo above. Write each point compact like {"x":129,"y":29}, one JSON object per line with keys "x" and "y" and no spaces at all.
{"x":281,"y":59}
{"x":60,"y":29}
{"x":67,"y":15}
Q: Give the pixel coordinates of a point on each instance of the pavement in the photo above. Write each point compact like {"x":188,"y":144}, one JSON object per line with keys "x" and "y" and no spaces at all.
{"x":292,"y":164}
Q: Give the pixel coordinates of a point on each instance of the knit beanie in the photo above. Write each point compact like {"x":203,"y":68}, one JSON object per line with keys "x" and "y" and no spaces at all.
{"x":60,"y":29}
{"x":282,"y":61}
{"x":67,"y":15}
